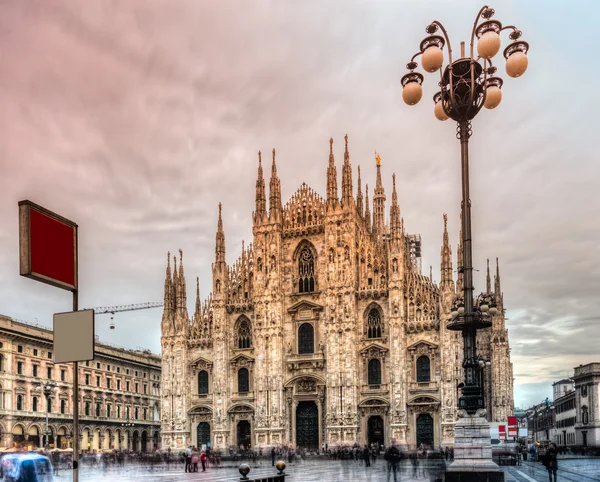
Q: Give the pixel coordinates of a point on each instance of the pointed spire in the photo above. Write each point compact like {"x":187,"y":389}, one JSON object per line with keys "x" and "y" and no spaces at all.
{"x":497,"y":290}
{"x":261,"y":198}
{"x":275,"y":207}
{"x":395,"y":213}
{"x":488,"y":281}
{"x":220,"y":240}
{"x":431,"y":273}
{"x":359,"y":196}
{"x":459,"y":264}
{"x":347,"y":196}
{"x":168,"y":300}
{"x":378,"y":201}
{"x":198,"y":303}
{"x":367,"y":210}
{"x":446,"y":262}
{"x":332,"y":187}
{"x":181,"y":289}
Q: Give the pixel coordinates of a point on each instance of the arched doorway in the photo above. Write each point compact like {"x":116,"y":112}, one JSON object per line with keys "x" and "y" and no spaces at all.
{"x":307,"y":425}
{"x":375,"y":430}
{"x":425,"y":430}
{"x":144,"y":441}
{"x":243,"y":433}
{"x":136,"y":441}
{"x":203,"y":433}
{"x":34,"y":436}
{"x":18,"y":435}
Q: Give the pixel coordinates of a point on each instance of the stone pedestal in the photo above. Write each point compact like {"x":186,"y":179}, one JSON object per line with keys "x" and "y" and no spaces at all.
{"x":473,"y":451}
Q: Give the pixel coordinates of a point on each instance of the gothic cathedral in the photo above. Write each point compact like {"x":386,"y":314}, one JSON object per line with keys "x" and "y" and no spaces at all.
{"x":324,"y":331}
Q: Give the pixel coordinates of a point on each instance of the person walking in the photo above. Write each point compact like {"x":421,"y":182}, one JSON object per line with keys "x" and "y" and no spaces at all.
{"x":203,"y":458}
{"x":188,"y":459}
{"x":392,"y":456}
{"x":366,"y":456}
{"x":550,"y":461}
{"x":273,"y":456}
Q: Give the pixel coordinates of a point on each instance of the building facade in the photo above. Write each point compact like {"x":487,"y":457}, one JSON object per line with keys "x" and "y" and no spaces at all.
{"x":323,"y":331}
{"x":119,"y":394}
{"x":587,"y":404}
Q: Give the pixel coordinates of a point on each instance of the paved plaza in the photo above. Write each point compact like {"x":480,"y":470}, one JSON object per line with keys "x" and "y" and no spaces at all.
{"x":578,"y":470}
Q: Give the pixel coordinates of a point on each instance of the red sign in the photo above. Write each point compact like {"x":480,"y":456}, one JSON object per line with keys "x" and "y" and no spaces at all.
{"x":512,"y":421}
{"x":502,"y":432}
{"x":512,"y":432}
{"x":47,"y":246}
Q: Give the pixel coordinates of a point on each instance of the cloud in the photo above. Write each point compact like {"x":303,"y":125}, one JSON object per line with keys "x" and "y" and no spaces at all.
{"x":137,"y":118}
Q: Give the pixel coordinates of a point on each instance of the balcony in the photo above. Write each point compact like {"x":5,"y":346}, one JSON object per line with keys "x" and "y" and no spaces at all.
{"x":381,"y":389}
{"x":310,"y":361}
{"x":423,"y":387}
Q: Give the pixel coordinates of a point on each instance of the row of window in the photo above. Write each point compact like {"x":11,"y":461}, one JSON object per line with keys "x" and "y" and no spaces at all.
{"x":567,"y":422}
{"x":36,"y":406}
{"x":306,"y":333}
{"x":565,"y":406}
{"x":136,"y":373}
{"x":35,"y":371}
{"x":20,"y":349}
{"x":373,"y":375}
{"x":88,"y":381}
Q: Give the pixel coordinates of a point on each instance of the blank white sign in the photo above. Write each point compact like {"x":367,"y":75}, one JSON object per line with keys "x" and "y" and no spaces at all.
{"x":74,"y":336}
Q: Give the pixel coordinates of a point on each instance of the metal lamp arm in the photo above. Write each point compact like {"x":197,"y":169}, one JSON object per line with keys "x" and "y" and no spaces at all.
{"x":439,"y":24}
{"x":483,"y":9}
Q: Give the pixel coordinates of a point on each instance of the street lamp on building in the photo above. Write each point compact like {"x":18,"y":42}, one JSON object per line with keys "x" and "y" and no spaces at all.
{"x":467,"y":85}
{"x":48,"y":388}
{"x":127,"y":424}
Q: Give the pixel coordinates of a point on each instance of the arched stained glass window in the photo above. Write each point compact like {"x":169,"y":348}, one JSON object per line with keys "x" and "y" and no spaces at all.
{"x":306,"y":271}
{"x":202,"y":382}
{"x":306,"y":338}
{"x":374,"y":324}
{"x":423,"y":369}
{"x":244,"y":336}
{"x":374,"y":372}
{"x":243,"y":380}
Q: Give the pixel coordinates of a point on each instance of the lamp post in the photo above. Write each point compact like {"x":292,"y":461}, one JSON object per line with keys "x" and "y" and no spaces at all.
{"x":47,"y":389}
{"x":466,"y":85}
{"x":127,"y":424}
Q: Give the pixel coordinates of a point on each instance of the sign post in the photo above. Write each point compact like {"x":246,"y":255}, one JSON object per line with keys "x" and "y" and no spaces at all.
{"x":48,"y":253}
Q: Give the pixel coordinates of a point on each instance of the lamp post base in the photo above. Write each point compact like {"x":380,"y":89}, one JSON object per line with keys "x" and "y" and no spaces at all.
{"x":473,"y":451}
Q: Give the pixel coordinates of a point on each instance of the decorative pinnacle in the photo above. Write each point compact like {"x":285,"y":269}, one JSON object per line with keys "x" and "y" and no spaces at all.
{"x":331,"y":145}
{"x":346,"y":141}
{"x":377,"y":159}
{"x":259,"y":157}
{"x":445,"y":222}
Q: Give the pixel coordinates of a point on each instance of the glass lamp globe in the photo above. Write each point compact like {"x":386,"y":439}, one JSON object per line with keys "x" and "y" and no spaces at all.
{"x":484,"y":307}
{"x":433,"y":58}
{"x":438,"y":110}
{"x":461,"y":310}
{"x":412,"y":93}
{"x":454,"y":314}
{"x":516,"y":64}
{"x":493,"y":97}
{"x":488,"y":45}
{"x":493,"y":310}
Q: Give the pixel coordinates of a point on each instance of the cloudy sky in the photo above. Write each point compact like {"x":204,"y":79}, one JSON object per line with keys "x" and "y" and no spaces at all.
{"x":136,"y":118}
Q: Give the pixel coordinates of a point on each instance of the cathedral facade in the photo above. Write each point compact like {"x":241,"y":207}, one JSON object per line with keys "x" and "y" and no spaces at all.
{"x":323,"y":331}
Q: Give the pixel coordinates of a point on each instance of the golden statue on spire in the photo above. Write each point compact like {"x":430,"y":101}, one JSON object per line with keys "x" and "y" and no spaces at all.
{"x":377,"y":159}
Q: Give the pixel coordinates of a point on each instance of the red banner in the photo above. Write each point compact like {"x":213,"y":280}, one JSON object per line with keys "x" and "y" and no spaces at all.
{"x":512,"y":421}
{"x":47,"y":246}
{"x":502,"y":432}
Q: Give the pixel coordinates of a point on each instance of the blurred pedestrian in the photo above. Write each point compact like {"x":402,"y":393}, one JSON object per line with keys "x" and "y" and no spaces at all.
{"x":188,"y":459}
{"x":550,"y":461}
{"x":392,"y":456}
{"x":203,"y":458}
{"x":366,"y":456}
{"x":195,"y":459}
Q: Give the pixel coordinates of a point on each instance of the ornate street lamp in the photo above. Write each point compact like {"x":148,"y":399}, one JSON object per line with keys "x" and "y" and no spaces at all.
{"x":48,"y":389}
{"x":466,"y":85}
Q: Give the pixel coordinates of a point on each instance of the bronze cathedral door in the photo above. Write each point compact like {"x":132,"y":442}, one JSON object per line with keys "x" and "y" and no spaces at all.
{"x":424,"y":430}
{"x":307,"y":425}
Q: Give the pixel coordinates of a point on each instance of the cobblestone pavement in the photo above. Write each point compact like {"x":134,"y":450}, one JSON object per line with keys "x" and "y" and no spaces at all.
{"x":331,"y":471}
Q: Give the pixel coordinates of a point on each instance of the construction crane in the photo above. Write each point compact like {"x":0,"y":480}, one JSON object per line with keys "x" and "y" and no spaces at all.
{"x":103,"y":310}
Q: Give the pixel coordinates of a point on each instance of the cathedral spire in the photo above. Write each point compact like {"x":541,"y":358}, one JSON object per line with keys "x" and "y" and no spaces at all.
{"x":182,"y":292}
{"x":395,"y":213}
{"x":367,"y":210}
{"x":347,"y":177}
{"x":497,"y":290}
{"x":332,"y":188}
{"x":261,"y":198}
{"x":198,"y":303}
{"x":275,"y":207}
{"x":168,"y":301}
{"x":220,"y":240}
{"x":459,"y":263}
{"x":378,"y":201}
{"x":446,"y":255}
{"x":488,"y":281}
{"x":359,"y":196}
